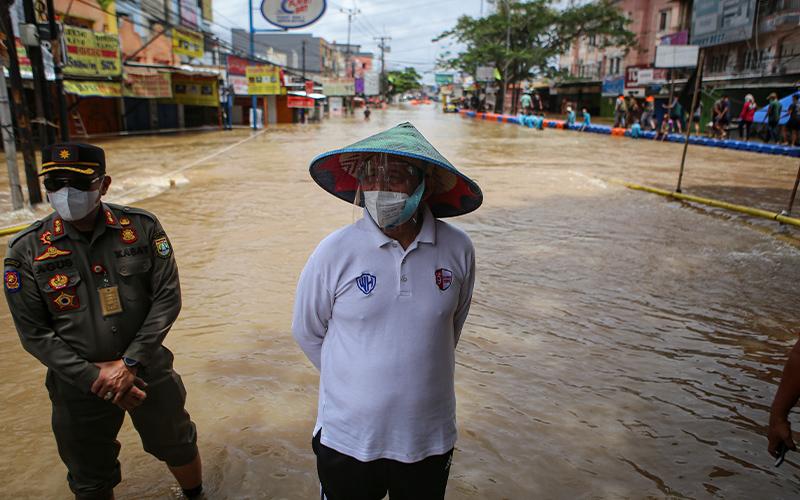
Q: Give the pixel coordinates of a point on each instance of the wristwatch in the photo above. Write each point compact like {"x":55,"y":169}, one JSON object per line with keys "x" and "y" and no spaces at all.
{"x":130,"y":362}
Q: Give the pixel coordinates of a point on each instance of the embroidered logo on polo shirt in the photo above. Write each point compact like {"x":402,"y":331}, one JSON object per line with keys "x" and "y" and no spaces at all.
{"x":444,"y":278}
{"x":366,"y":283}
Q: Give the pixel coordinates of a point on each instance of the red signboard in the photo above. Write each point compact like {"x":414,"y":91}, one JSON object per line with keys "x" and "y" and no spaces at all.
{"x":643,"y":75}
{"x":309,"y":87}
{"x":237,"y":65}
{"x":296,"y":101}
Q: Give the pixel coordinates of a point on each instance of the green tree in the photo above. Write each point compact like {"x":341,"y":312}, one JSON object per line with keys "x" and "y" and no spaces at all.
{"x":403,"y":81}
{"x":524,"y":38}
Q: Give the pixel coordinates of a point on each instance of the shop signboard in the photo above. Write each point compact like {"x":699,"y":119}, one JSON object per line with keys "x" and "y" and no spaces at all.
{"x":147,"y":83}
{"x":263,"y":79}
{"x":91,"y":54}
{"x":716,"y":22}
{"x":93,"y":89}
{"x":187,"y":43}
{"x":194,"y":90}
{"x":292,"y":14}
{"x":338,"y":86}
{"x":296,"y":101}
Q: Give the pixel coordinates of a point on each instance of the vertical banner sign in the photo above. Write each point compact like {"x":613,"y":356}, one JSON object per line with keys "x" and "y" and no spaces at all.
{"x":91,"y":54}
{"x":309,"y":87}
{"x":263,"y":80}
{"x":292,"y":14}
{"x":187,"y":43}
{"x":208,"y":13}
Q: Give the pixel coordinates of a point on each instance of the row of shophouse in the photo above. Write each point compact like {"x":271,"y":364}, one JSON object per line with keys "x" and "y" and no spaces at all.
{"x":144,"y":65}
{"x":765,"y":60}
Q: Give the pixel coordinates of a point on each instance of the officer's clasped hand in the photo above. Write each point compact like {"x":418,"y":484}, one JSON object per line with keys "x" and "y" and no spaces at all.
{"x":121,"y":381}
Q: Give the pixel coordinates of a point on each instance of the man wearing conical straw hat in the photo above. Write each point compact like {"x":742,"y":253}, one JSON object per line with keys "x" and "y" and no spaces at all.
{"x":379,"y":309}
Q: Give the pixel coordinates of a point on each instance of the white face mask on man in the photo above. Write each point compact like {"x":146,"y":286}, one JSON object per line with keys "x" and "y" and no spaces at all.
{"x":73,"y":204}
{"x":385,"y":207}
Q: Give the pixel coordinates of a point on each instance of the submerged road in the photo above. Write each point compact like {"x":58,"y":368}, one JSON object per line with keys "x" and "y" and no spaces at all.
{"x":619,"y":345}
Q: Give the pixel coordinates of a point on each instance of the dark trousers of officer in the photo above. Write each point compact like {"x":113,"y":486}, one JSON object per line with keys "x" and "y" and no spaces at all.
{"x":345,"y":478}
{"x":86,"y":427}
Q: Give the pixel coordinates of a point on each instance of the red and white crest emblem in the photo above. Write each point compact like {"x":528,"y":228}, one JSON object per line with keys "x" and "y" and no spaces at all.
{"x":444,"y":277}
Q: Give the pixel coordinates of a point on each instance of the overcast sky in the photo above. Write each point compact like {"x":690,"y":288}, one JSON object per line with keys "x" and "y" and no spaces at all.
{"x":411,"y":24}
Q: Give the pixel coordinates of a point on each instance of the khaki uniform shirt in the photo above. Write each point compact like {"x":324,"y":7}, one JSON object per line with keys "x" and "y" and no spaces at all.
{"x":57,"y":284}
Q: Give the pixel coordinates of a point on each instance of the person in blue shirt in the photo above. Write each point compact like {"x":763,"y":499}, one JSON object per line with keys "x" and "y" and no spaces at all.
{"x":570,"y":116}
{"x":587,"y":119}
{"x":636,"y":130}
{"x":540,"y":122}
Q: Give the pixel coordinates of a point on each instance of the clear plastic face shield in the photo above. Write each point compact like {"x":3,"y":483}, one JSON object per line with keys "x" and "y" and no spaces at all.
{"x":391,"y":188}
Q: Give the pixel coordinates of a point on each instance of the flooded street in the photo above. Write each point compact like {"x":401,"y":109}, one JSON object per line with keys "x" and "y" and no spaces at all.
{"x":619,"y":345}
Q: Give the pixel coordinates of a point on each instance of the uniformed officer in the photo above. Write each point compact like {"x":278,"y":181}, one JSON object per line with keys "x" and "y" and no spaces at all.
{"x":93,"y":289}
{"x":379,"y":310}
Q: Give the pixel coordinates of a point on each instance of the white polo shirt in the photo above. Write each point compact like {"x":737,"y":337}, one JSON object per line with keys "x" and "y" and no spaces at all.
{"x":381,"y":324}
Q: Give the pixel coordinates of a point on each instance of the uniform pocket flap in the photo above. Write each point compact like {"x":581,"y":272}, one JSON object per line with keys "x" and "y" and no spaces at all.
{"x":135,"y":267}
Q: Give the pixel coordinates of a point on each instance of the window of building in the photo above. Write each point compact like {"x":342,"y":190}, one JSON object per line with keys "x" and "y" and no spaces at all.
{"x":663,"y":19}
{"x":592,"y":40}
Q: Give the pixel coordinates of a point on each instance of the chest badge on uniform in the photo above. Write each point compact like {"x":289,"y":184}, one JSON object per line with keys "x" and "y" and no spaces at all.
{"x":366,"y":283}
{"x":124,"y":221}
{"x":59,"y":281}
{"x":46,"y":238}
{"x":444,"y":278}
{"x":66,"y":301}
{"x":13,"y":284}
{"x":51,"y":253}
{"x":110,"y":219}
{"x":128,"y":235}
{"x":58,"y":227}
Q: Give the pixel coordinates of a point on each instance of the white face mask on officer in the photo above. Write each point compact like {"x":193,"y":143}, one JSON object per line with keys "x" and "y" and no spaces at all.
{"x":386,"y":182}
{"x":73,"y":204}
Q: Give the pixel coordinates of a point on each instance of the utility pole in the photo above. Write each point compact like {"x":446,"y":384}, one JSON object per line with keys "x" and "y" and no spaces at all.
{"x":32,"y":42}
{"x":384,"y":48}
{"x":20,"y":106}
{"x":55,"y":50}
{"x":505,"y":66}
{"x":352,"y":12}
{"x":304,"y":59}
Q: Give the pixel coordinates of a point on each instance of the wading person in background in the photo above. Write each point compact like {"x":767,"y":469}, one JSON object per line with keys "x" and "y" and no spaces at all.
{"x":379,"y":310}
{"x":620,"y":110}
{"x":746,"y":117}
{"x":697,"y":117}
{"x":93,"y":290}
{"x":526,"y":103}
{"x":774,"y":111}
{"x":793,"y":123}
{"x":648,"y":114}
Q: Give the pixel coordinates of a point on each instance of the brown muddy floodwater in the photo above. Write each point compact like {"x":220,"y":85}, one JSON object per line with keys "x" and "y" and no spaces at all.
{"x":619,"y":345}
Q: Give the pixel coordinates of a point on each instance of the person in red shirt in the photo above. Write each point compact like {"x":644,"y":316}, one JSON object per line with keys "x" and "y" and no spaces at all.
{"x":746,"y":117}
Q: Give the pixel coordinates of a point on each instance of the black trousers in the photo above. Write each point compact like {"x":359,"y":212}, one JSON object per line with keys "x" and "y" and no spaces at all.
{"x":345,"y":478}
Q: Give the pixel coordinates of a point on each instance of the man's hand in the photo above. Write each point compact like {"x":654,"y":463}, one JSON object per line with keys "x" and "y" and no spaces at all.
{"x":780,"y":432}
{"x":134,"y":397}
{"x":114,"y":378}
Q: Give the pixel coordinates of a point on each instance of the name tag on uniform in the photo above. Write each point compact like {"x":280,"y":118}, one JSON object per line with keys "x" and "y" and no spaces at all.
{"x":109,"y":300}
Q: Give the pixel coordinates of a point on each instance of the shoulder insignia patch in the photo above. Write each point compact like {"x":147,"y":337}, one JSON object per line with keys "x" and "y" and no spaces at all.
{"x":58,"y":226}
{"x":444,"y":278}
{"x":59,"y":281}
{"x":366,"y":283}
{"x":51,"y":253}
{"x":110,"y":219}
{"x":162,"y":247}
{"x":128,"y":235}
{"x":12,"y":280}
{"x":46,"y":238}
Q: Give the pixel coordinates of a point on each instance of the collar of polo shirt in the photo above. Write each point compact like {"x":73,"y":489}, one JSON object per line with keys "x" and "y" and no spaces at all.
{"x":427,"y":233}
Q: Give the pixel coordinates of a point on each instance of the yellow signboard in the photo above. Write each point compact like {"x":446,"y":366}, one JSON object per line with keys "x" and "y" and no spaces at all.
{"x":194,"y":90}
{"x":93,"y":89}
{"x":208,"y":11}
{"x":91,"y":54}
{"x":263,"y":80}
{"x":187,"y":43}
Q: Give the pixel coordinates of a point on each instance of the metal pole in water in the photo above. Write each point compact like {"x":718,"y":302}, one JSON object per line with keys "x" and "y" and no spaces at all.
{"x":253,"y":99}
{"x":788,"y":210}
{"x":697,"y":80}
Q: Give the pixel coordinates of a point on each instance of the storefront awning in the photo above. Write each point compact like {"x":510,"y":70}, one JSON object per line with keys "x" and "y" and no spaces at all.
{"x":312,"y":95}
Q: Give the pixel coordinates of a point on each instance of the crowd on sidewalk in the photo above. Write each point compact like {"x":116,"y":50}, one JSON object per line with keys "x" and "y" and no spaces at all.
{"x":641,"y":115}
